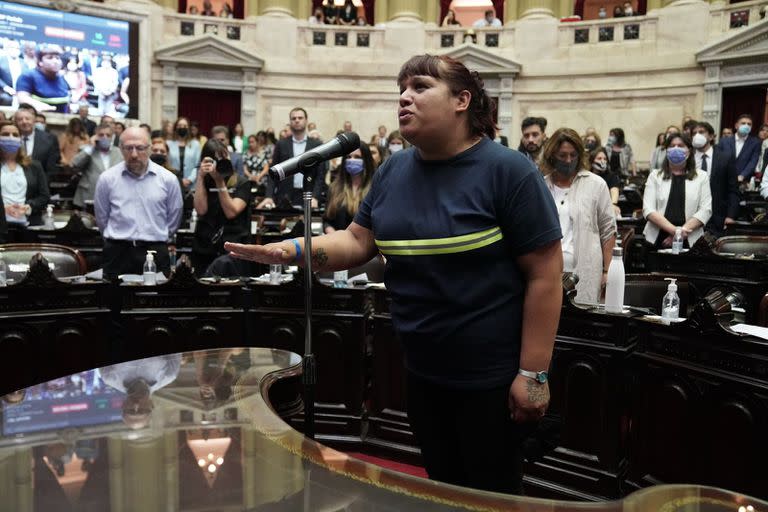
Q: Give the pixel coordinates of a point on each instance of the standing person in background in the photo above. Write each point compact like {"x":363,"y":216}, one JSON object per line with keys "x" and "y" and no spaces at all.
{"x":23,"y":183}
{"x":620,"y":158}
{"x":598,"y":164}
{"x":239,"y":142}
{"x":194,"y":132}
{"x":658,"y":155}
{"x":744,"y":147}
{"x":256,"y":159}
{"x":184,"y":154}
{"x":476,"y":348}
{"x":349,"y":188}
{"x":375,"y":155}
{"x":534,"y":135}
{"x":138,"y":207}
{"x":39,"y":145}
{"x":105,"y":84}
{"x":71,"y":140}
{"x":91,"y":163}
{"x":677,"y":195}
{"x":585,"y":211}
{"x":82,"y":114}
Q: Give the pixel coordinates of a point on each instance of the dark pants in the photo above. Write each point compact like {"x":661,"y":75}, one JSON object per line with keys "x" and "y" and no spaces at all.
{"x":467,"y":437}
{"x":126,"y":257}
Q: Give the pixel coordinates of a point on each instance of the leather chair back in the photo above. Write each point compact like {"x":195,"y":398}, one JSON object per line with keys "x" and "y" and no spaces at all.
{"x":64,"y":261}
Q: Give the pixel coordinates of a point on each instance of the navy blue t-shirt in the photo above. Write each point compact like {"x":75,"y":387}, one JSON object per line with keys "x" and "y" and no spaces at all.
{"x":451,"y":231}
{"x":53,"y":91}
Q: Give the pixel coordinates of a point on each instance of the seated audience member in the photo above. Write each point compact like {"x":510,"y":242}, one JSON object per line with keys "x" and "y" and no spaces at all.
{"x":222,"y":202}
{"x":39,"y":145}
{"x":138,"y":207}
{"x":489,"y":20}
{"x":723,"y":181}
{"x":450,"y":19}
{"x":72,"y":139}
{"x":598,"y":164}
{"x":591,"y":142}
{"x":349,"y":188}
{"x":620,"y":158}
{"x":92,"y":161}
{"x":44,"y":87}
{"x":348,"y":13}
{"x":138,"y":380}
{"x":677,"y":195}
{"x":256,"y":159}
{"x":586,"y":214}
{"x":744,"y":147}
{"x":184,"y":152}
{"x":331,"y":12}
{"x":23,"y":183}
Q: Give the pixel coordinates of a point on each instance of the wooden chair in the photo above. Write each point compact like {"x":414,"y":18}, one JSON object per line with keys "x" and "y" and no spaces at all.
{"x":65,"y":261}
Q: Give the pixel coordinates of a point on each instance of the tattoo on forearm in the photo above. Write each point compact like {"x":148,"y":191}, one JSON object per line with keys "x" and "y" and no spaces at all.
{"x":537,"y":394}
{"x":319,"y":258}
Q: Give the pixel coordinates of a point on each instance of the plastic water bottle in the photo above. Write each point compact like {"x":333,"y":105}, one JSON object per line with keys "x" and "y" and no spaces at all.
{"x":3,"y":273}
{"x":670,"y":305}
{"x":150,"y":270}
{"x":614,"y":287}
{"x":340,"y":279}
{"x":677,"y":241}
{"x":193,"y":221}
{"x":49,"y":220}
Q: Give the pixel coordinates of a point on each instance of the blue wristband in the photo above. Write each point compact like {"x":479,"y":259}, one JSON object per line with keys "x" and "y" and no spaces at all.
{"x":297,"y":259}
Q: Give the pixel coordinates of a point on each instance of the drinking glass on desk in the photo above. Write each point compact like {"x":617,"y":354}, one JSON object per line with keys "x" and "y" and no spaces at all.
{"x":275,"y":273}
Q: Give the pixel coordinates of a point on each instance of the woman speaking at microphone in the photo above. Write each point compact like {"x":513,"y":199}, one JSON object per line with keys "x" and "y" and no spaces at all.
{"x":471,"y":236}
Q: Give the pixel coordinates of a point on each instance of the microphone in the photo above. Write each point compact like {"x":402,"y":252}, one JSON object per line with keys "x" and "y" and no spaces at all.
{"x":343,"y":144}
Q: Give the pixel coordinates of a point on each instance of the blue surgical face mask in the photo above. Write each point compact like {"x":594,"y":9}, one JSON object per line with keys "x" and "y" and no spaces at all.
{"x":40,"y":126}
{"x":677,"y":155}
{"x":103,"y":143}
{"x":744,"y":130}
{"x":9,"y":144}
{"x":611,"y":140}
{"x":353,"y":166}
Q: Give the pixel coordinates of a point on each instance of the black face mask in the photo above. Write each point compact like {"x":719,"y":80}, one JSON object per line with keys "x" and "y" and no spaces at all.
{"x":591,"y":145}
{"x":158,"y":158}
{"x":182,"y":132}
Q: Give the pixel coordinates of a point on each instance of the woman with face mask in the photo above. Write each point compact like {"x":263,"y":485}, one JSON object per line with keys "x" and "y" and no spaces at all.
{"x":348,"y":189}
{"x":23,"y":183}
{"x":184,"y":152}
{"x":395,"y":143}
{"x":583,"y":203}
{"x":620,"y":158}
{"x":598,"y":164}
{"x":221,"y":201}
{"x":677,"y":195}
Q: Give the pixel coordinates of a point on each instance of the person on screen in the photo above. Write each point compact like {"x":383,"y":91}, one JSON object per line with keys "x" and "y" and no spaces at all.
{"x":11,"y":68}
{"x":138,"y":380}
{"x":105,"y":82}
{"x":43,"y":87}
{"x":78,"y":85}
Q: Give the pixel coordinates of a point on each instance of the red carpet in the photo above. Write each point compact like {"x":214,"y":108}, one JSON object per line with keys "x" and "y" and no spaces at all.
{"x":394,"y":466}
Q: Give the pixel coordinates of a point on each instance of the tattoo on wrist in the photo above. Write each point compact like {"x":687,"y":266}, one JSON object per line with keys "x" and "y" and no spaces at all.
{"x":319,"y":258}
{"x":537,"y":393}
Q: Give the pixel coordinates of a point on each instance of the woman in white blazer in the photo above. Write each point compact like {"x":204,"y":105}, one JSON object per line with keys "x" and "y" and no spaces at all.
{"x":677,"y":195}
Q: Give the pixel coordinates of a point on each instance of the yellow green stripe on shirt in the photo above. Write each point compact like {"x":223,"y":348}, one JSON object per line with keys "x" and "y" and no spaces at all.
{"x":450,"y":245}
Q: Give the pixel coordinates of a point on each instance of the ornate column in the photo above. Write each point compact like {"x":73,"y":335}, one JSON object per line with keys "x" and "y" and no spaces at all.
{"x":511,"y":11}
{"x":431,"y":12}
{"x":538,"y":8}
{"x":276,"y":8}
{"x":713,"y":92}
{"x":404,"y":10}
{"x":504,"y":108}
{"x":251,"y":8}
{"x":116,"y":491}
{"x":380,"y":11}
{"x":302,"y":9}
{"x":172,"y":5}
{"x":653,"y":5}
{"x":170,"y":106}
{"x":248,"y":101}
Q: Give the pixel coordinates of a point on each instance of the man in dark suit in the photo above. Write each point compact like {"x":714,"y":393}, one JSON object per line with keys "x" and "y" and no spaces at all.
{"x":744,"y":147}
{"x":41,"y":146}
{"x":290,"y":189}
{"x":90,"y":126}
{"x":721,"y":167}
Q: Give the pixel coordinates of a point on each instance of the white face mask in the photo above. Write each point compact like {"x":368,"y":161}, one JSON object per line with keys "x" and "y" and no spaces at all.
{"x":394,"y":148}
{"x":699,"y":140}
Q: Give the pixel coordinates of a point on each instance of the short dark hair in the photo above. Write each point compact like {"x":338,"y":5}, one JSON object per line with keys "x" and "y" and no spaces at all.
{"x":703,"y":124}
{"x":541,"y":122}
{"x":219,"y":128}
{"x":105,"y":126}
{"x":40,"y":115}
{"x":297,"y":109}
{"x":458,"y":78}
{"x":149,"y":128}
{"x":490,"y":11}
{"x":27,"y":106}
{"x":744,"y":116}
{"x":689,"y":125}
{"x":156,"y":134}
{"x":619,"y":134}
{"x":690,"y":164}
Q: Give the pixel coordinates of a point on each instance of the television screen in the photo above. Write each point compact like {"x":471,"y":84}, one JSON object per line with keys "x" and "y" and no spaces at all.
{"x":79,"y":400}
{"x":58,"y":61}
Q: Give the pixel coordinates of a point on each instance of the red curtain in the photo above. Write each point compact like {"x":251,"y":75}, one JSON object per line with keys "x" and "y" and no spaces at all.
{"x":498,"y":6}
{"x":238,"y":9}
{"x":182,"y":6}
{"x":197,"y":105}
{"x":444,"y":6}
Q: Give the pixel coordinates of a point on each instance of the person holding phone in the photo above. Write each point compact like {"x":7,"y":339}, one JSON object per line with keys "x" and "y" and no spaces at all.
{"x":221,"y":201}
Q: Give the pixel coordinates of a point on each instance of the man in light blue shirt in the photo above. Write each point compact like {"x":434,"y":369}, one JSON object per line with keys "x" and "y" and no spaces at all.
{"x":138,"y":206}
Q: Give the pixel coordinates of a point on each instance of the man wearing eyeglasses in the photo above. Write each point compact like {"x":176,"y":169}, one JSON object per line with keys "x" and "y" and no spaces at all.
{"x":138,"y":206}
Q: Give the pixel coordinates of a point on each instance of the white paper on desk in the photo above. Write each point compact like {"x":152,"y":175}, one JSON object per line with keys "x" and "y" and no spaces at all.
{"x":358,"y":277}
{"x":97,"y":274}
{"x":753,"y":330}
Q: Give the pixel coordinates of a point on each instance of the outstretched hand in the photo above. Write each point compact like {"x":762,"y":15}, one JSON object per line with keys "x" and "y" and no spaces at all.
{"x":269,"y":254}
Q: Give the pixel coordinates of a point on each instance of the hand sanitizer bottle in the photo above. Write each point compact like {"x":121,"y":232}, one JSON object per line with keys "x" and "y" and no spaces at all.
{"x":670,"y":305}
{"x":150,"y":270}
{"x":48,"y":221}
{"x":677,"y":241}
{"x":614,"y":288}
{"x":193,"y":221}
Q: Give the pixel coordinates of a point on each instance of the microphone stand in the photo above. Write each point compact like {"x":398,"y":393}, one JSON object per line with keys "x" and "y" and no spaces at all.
{"x":308,"y":364}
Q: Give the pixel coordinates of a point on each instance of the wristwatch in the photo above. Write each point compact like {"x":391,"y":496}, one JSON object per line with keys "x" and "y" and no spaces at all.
{"x":540,"y":377}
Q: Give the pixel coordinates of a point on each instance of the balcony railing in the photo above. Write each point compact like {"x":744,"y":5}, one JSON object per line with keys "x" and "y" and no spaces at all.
{"x":190,"y":25}
{"x":727,"y":17}
{"x":340,"y":35}
{"x":448,"y":37}
{"x":613,"y":30}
